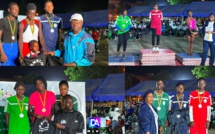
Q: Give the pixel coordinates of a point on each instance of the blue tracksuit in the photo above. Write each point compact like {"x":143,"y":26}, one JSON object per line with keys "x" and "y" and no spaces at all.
{"x":78,"y":48}
{"x":147,"y":120}
{"x":207,"y":45}
{"x":179,"y":124}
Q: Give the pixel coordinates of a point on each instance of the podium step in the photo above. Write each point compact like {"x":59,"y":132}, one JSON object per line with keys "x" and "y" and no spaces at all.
{"x":129,"y":61}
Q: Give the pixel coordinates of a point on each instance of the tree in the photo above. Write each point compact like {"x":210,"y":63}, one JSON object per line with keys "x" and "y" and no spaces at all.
{"x":203,"y":71}
{"x":87,"y":73}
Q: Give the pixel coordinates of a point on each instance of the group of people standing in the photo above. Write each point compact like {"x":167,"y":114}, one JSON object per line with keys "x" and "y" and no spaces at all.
{"x":123,"y":24}
{"x":43,"y":112}
{"x":179,"y":113}
{"x":16,"y":37}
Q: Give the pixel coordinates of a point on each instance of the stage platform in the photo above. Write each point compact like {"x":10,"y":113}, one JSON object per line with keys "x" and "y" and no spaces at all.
{"x":129,"y":61}
{"x":194,"y":60}
{"x":163,"y":57}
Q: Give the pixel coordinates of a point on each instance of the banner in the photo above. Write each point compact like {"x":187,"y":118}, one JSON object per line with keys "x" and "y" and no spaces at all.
{"x":76,"y":89}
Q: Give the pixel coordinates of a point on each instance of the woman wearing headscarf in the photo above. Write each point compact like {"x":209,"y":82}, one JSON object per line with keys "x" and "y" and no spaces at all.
{"x":148,"y":117}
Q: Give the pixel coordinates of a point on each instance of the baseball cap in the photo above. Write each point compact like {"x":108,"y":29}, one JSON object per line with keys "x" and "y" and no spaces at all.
{"x":76,"y":16}
{"x":117,"y":109}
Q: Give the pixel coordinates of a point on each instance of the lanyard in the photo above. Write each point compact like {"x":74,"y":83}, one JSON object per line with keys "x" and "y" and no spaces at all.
{"x":12,"y":29}
{"x":43,"y":101}
{"x":21,"y":107}
{"x":51,"y":23}
{"x":159,"y":100}
{"x":180,"y":102}
{"x":200,"y":99}
{"x":32,"y":29}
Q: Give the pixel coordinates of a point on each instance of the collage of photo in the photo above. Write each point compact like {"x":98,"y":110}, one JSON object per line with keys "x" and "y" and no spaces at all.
{"x":107,"y":67}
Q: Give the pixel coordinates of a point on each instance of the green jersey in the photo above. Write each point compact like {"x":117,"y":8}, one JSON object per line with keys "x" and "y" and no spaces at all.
{"x":123,"y":23}
{"x":161,"y":103}
{"x":18,"y":121}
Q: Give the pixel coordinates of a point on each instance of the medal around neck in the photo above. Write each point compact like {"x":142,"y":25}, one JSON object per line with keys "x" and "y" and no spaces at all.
{"x":21,"y":115}
{"x":13,"y":37}
{"x":43,"y":110}
{"x":200,"y":105}
{"x":52,"y":30}
{"x":158,"y":108}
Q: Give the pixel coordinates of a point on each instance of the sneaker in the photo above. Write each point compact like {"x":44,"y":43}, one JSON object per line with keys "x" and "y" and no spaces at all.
{"x":157,"y":49}
{"x":153,"y":49}
{"x":123,"y":57}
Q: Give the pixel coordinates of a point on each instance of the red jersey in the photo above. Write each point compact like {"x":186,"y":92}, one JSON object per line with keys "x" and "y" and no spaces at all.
{"x":200,"y":108}
{"x":155,"y":17}
{"x":95,"y":35}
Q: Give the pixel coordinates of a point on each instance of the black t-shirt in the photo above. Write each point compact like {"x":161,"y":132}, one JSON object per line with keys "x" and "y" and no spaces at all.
{"x":6,"y":31}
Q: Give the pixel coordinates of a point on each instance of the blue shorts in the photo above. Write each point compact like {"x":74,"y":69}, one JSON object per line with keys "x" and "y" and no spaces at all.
{"x":11,"y":51}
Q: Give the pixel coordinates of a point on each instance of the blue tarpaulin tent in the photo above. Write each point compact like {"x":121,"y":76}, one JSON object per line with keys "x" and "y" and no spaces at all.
{"x":112,"y":89}
{"x":174,"y":10}
{"x":92,"y":85}
{"x":170,"y":87}
{"x":91,"y":19}
{"x":96,"y":18}
{"x":136,"y":11}
{"x":201,"y":9}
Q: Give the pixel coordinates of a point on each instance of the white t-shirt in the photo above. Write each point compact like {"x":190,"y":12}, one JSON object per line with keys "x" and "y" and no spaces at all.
{"x":210,"y":27}
{"x":156,"y":118}
{"x":115,"y":115}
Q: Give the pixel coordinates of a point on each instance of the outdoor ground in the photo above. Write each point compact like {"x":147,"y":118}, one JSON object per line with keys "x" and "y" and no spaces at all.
{"x":102,"y":57}
{"x":177,"y":44}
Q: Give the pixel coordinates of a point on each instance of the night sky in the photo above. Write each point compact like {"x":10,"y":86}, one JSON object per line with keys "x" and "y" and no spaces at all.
{"x":49,"y":73}
{"x":60,"y":6}
{"x":179,"y":73}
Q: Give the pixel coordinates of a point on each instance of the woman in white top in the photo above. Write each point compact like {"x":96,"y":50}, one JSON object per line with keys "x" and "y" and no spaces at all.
{"x":148,"y":117}
{"x":209,"y":40}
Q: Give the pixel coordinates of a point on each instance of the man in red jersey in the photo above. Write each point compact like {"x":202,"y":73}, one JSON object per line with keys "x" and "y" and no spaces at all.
{"x":200,"y":109}
{"x":156,"y":16}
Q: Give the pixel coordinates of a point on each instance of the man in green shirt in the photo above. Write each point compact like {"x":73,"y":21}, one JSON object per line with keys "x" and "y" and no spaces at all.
{"x":123,"y":25}
{"x":16,"y":110}
{"x":161,"y":102}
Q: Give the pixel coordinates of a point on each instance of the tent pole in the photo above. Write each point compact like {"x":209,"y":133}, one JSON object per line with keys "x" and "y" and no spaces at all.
{"x":91,"y":107}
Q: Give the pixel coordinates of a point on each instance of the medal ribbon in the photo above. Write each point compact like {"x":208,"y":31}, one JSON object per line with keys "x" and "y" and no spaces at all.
{"x":61,"y":102}
{"x":43,"y":101}
{"x":159,"y":100}
{"x":32,"y":29}
{"x":180,"y":102}
{"x":12,"y":29}
{"x":200,"y":99}
{"x":20,"y":107}
{"x":51,"y":23}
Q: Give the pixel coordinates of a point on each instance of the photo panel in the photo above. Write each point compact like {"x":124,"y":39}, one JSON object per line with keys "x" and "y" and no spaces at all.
{"x":169,"y":99}
{"x":62,"y":100}
{"x":53,"y":33}
{"x":161,"y":33}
